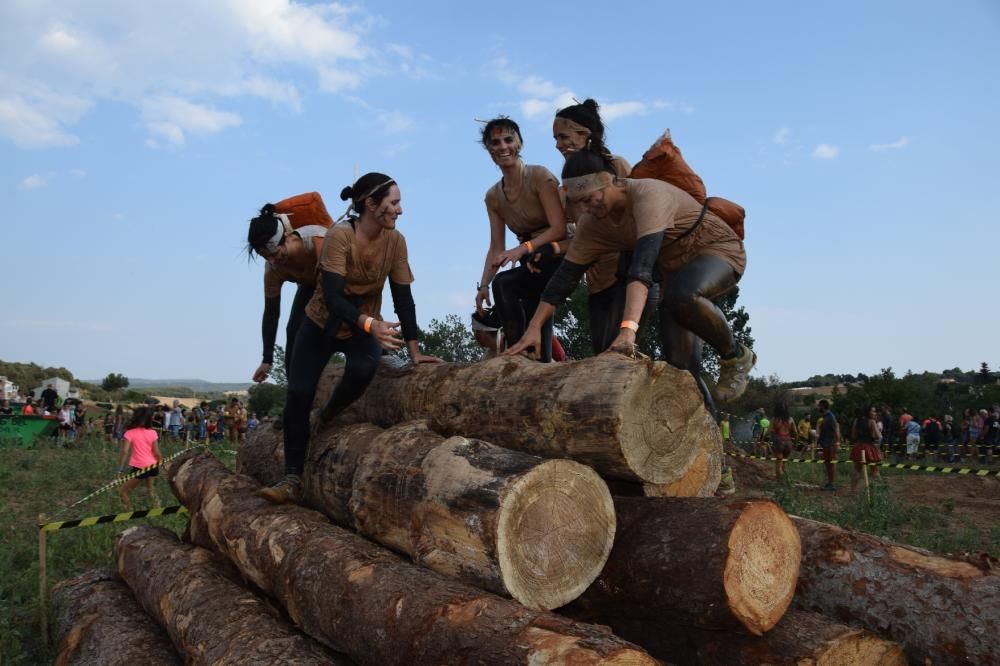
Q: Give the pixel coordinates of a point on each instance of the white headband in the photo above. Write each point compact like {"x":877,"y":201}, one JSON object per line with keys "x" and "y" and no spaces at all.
{"x":284,"y":226}
{"x":580,"y":185}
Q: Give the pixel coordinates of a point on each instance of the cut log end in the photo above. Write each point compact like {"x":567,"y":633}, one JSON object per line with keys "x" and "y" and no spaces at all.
{"x":552,"y":648}
{"x":759,"y":583}
{"x":702,"y":478}
{"x":555,"y":530}
{"x":861,"y":649}
{"x":667,"y":431}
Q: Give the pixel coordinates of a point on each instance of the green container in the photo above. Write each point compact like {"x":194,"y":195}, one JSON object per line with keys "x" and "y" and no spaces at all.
{"x":19,"y":430}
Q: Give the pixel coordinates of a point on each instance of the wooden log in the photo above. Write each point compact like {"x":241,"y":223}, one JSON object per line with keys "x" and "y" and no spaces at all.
{"x":635,"y":420}
{"x":210,"y":617}
{"x":365,"y":601}
{"x":697,"y":562}
{"x":701,"y":479}
{"x":940,"y":609}
{"x":97,"y":621}
{"x":509,"y":522}
{"x":800,"y":639}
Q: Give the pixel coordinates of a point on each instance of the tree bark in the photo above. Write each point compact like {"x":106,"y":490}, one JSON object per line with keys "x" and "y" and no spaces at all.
{"x":628,"y":419}
{"x":800,"y":639}
{"x":940,"y":609}
{"x":210,"y":617}
{"x":365,"y":601}
{"x":710,"y":563}
{"x":98,"y":621}
{"x":508,"y":522}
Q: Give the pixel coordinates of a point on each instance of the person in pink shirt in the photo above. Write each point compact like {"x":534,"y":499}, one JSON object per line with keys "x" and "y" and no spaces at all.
{"x":139,"y":447}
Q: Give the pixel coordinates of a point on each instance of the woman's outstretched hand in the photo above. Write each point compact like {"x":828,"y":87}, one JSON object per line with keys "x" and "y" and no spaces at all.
{"x":531,"y":338}
{"x":425,"y":358}
{"x":386,"y":333}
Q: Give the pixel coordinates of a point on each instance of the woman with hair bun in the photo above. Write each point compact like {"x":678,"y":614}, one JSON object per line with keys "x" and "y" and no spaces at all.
{"x":526,"y":201}
{"x":575,"y":128}
{"x":291,"y":256}
{"x":698,"y":255}
{"x":344,"y":315}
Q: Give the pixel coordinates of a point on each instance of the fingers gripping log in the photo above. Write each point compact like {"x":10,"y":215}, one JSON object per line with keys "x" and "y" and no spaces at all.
{"x":940,"y":609}
{"x":697,"y":562}
{"x":210,"y":617}
{"x":365,"y":601}
{"x":98,"y":621}
{"x":636,"y":420}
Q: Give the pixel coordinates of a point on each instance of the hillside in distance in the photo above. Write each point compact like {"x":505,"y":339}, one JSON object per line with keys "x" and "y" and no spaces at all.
{"x":197,"y":385}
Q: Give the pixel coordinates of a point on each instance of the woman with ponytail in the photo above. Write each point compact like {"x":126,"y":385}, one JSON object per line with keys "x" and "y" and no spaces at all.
{"x":575,"y":128}
{"x":698,"y":255}
{"x":344,"y":315}
{"x":526,"y":201}
{"x":291,"y":256}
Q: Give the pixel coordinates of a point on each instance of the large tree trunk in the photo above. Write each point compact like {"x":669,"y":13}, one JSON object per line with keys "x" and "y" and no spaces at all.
{"x":800,"y":639}
{"x":718,"y":564}
{"x":701,"y":479}
{"x":365,"y":601}
{"x":98,"y":621}
{"x":628,"y":419}
{"x":210,"y":617}
{"x":509,"y":522}
{"x":938,"y":608}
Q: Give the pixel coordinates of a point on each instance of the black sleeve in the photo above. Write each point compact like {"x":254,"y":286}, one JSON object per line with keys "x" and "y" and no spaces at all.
{"x":269,"y":326}
{"x":340,"y":308}
{"x":563,"y":282}
{"x":406,"y":310}
{"x":644,"y":256}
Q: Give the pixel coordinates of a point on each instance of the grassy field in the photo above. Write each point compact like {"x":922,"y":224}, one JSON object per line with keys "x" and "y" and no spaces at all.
{"x":944,"y":513}
{"x":42,"y":481}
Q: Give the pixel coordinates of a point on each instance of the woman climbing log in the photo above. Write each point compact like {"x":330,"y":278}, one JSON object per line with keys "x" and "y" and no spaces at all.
{"x":344,"y":315}
{"x":575,"y":128}
{"x":698,"y":255}
{"x":526,"y":201}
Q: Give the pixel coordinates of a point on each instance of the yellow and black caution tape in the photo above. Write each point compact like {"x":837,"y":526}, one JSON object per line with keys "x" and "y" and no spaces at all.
{"x":969,"y":471}
{"x":112,"y":518}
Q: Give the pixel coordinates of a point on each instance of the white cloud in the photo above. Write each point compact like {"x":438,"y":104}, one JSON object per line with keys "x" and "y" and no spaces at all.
{"x":781,"y":136}
{"x":199,"y":53}
{"x":59,"y":324}
{"x":171,"y":117}
{"x":77,"y":173}
{"x":902,"y":142}
{"x":394,"y":121}
{"x":542,"y":98}
{"x":825,"y":151}
{"x":118,"y":217}
{"x":33,"y":182}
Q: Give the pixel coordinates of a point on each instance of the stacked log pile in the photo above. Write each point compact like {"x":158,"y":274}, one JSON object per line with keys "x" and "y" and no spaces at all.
{"x":454,"y":510}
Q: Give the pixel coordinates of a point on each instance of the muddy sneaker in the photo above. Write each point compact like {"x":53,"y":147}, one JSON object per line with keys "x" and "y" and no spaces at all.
{"x":727,"y":485}
{"x":734,"y":374}
{"x":288,"y":489}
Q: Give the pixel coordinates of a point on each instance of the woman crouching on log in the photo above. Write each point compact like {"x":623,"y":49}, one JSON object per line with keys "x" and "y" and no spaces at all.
{"x":344,"y":315}
{"x":526,"y":201}
{"x":291,"y":256}
{"x":575,"y":128}
{"x":698,"y":255}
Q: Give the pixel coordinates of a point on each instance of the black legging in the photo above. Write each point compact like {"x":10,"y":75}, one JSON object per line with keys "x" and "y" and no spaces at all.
{"x":516,"y":294}
{"x":298,"y":312}
{"x":313,"y":349}
{"x":607,"y":309}
{"x":688,"y":316}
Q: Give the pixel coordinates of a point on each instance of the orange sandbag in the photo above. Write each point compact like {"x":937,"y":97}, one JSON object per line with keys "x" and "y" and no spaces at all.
{"x":663,"y":161}
{"x":304,"y":210}
{"x":729,"y":212}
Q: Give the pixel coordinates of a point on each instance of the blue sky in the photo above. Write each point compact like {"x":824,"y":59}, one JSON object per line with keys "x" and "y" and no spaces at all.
{"x":137,"y":139}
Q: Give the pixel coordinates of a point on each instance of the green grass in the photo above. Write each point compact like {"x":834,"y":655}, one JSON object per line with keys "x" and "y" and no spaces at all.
{"x":940,"y":528}
{"x":43,"y":480}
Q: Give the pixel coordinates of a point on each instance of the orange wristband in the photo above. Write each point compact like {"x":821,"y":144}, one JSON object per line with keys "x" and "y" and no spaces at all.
{"x":368,"y":324}
{"x":628,"y":323}
{"x":527,"y":244}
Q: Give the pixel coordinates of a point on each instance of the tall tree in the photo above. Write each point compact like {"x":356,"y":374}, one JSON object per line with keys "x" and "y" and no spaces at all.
{"x":450,"y":340}
{"x":279,"y":372}
{"x":114,"y":381}
{"x":984,"y":376}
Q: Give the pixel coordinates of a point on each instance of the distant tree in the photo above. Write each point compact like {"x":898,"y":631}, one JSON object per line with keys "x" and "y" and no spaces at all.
{"x":450,"y":340}
{"x":266,"y":398}
{"x":114,"y":381}
{"x":984,"y":376}
{"x":279,"y":373}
